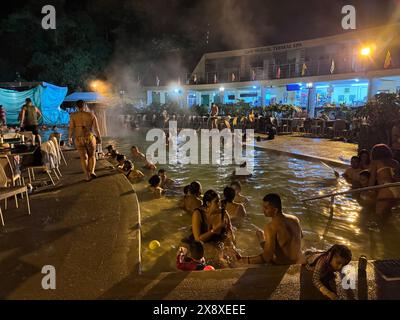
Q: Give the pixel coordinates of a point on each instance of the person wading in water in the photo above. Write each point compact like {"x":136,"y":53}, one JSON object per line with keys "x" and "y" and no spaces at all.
{"x":81,"y":126}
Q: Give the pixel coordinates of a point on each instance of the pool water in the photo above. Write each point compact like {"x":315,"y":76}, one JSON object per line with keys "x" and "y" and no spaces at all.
{"x":292,"y":178}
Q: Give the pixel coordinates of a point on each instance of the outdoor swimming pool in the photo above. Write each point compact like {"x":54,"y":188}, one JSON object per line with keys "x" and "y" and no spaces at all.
{"x":292,"y":178}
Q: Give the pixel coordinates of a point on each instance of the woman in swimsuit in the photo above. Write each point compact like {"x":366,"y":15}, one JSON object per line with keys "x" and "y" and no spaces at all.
{"x":211,"y":223}
{"x":235,"y":210}
{"x":384,"y":169}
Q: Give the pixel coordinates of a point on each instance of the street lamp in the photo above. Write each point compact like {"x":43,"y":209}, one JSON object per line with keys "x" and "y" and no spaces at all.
{"x":366,"y":51}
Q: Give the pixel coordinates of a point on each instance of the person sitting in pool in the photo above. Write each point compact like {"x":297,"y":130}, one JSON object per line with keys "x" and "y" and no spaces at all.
{"x":281,"y":239}
{"x":111,"y":153}
{"x":139,"y":155}
{"x":235,"y":210}
{"x":352,"y":174}
{"x":365,"y":159}
{"x":166,"y":183}
{"x":324,"y":265}
{"x":366,"y":198}
{"x":130,"y":172}
{"x":185,"y":195}
{"x":239,"y":198}
{"x":211,"y":223}
{"x":193,"y":200}
{"x":109,"y":149}
{"x":120,"y":160}
{"x":384,"y":169}
{"x":154,"y":188}
{"x":194,"y":263}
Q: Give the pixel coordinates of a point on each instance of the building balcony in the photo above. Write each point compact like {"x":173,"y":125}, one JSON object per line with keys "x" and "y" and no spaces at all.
{"x":311,"y":68}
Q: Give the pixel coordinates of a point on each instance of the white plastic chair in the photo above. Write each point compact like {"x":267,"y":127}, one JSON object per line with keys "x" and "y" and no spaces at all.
{"x":58,"y":136}
{"x":8,"y":192}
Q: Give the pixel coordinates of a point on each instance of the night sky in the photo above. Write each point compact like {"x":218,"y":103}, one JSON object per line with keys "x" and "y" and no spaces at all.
{"x":181,"y":26}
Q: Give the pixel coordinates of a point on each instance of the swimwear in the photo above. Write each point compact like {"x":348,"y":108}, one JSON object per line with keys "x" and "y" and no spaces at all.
{"x":189,"y":264}
{"x":87,"y":144}
{"x":216,"y":237}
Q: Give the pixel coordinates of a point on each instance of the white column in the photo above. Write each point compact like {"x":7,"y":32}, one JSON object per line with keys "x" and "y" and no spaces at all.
{"x":184,"y":99}
{"x":162,"y":97}
{"x":373,"y":85}
{"x":263,"y":92}
{"x":149,"y":97}
{"x":312,"y":102}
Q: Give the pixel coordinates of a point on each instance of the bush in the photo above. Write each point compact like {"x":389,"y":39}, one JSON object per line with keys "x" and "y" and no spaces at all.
{"x":381,"y":114}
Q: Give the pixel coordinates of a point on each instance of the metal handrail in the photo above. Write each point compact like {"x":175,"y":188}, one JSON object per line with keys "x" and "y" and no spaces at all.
{"x":382,"y":186}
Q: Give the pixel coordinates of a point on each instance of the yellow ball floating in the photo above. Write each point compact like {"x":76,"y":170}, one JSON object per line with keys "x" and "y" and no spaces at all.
{"x":154,"y":245}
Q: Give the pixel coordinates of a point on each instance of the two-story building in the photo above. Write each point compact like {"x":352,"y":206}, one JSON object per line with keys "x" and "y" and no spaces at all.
{"x":349,"y":68}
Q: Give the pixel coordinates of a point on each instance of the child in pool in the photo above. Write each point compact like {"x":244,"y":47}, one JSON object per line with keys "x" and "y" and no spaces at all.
{"x":352,"y":174}
{"x":166,"y":183}
{"x":131,"y":173}
{"x":366,"y":198}
{"x":194,"y":263}
{"x":324,"y":265}
{"x":155,"y":182}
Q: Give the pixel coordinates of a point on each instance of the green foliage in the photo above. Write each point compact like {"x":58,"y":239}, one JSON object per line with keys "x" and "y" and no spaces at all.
{"x":381,"y":114}
{"x":69,"y":55}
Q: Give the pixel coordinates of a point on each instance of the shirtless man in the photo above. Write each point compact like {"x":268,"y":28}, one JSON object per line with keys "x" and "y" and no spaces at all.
{"x":352,"y":174}
{"x":214,"y":116}
{"x":166,"y":183}
{"x":139,"y":155}
{"x":281,"y":239}
{"x":81,"y":125}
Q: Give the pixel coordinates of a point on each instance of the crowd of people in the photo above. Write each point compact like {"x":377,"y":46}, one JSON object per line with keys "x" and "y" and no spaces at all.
{"x":215,"y":222}
{"x":375,"y":168}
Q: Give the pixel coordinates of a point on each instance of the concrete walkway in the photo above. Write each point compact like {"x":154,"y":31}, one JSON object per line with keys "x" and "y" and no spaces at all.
{"x":86,"y":230}
{"x":336,"y":153}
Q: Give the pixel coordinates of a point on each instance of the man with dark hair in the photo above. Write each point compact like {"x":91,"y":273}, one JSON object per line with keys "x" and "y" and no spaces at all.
{"x":29,"y":120}
{"x":281,"y":239}
{"x":166,"y":183}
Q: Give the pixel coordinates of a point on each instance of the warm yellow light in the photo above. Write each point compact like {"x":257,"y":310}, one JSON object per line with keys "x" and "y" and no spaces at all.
{"x":366,"y":51}
{"x":94,"y":84}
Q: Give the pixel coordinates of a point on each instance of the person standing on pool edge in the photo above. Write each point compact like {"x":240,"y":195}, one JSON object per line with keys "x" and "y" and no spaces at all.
{"x":81,"y":125}
{"x":30,"y":116}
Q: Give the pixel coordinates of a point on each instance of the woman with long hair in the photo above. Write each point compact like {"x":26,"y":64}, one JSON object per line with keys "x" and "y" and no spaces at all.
{"x":384,"y":169}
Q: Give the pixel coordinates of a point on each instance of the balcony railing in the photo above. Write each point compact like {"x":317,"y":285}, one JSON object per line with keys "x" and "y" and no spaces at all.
{"x":286,"y":71}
